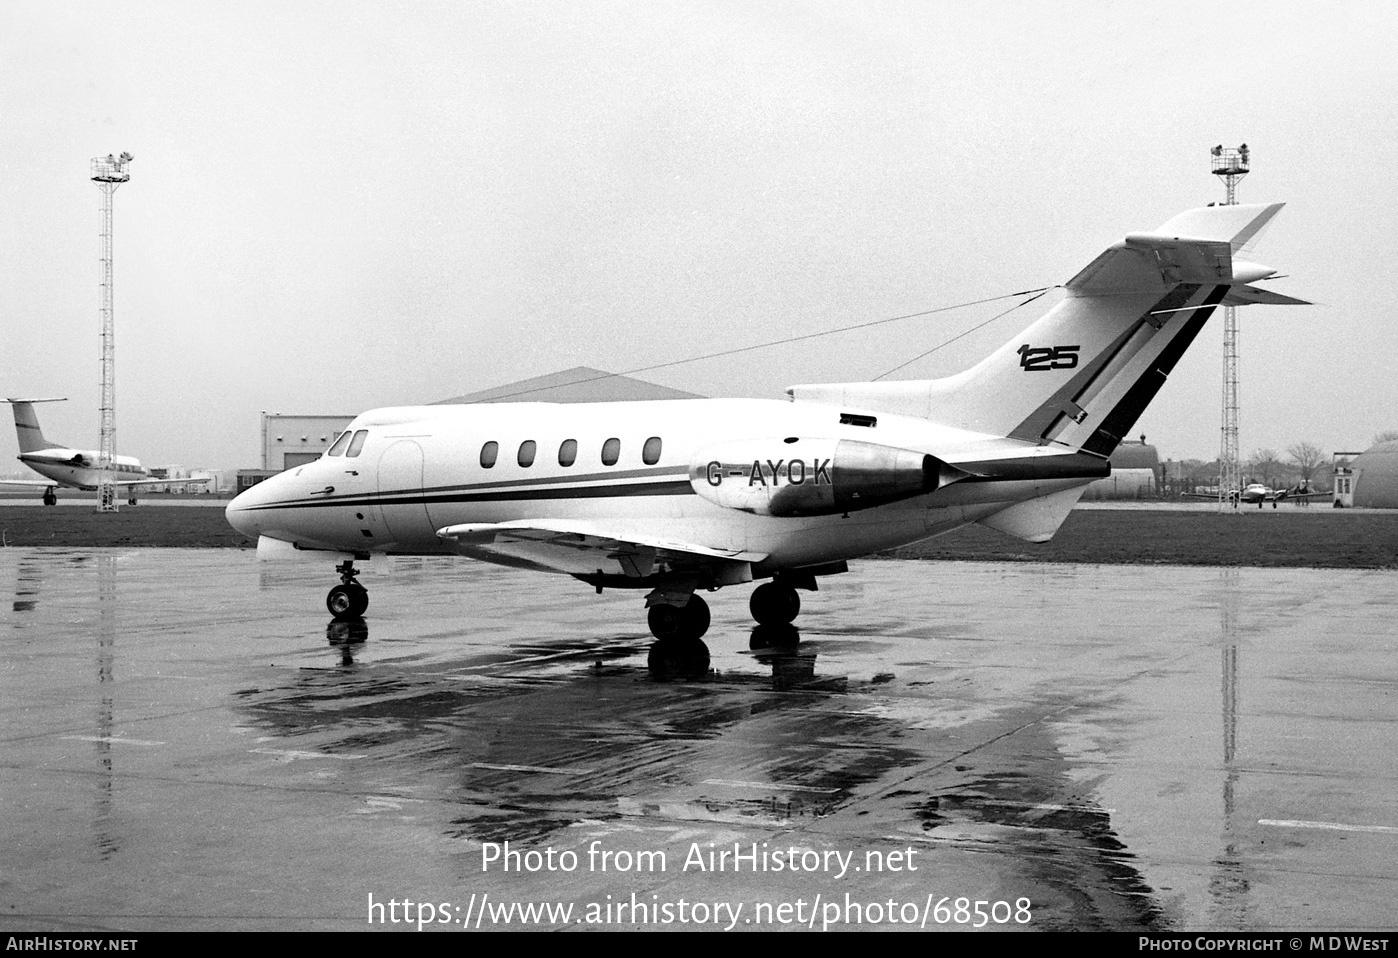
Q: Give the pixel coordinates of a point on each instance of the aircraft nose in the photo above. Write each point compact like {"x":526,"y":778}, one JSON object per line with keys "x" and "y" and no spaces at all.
{"x":238,"y":517}
{"x":242,"y":513}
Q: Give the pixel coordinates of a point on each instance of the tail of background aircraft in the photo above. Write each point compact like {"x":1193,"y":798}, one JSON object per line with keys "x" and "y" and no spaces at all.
{"x":1082,"y":374}
{"x":31,"y":437}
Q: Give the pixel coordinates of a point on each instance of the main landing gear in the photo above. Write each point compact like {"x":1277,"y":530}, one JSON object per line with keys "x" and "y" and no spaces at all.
{"x":774,"y":603}
{"x":50,"y":496}
{"x":349,"y":599}
{"x":679,"y":652}
{"x":688,"y":621}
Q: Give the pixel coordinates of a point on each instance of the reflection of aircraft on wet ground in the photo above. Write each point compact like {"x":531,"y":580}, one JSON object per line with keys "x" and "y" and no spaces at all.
{"x":74,"y":468}
{"x":1257,"y":493}
{"x":681,"y":496}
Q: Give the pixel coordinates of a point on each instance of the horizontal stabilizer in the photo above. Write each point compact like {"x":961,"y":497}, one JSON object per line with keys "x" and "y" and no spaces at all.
{"x":1198,"y":247}
{"x":1253,"y":296}
{"x":1238,"y":225}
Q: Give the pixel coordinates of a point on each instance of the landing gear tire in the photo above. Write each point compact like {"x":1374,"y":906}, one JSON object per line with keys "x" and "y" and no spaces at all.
{"x":50,"y":497}
{"x":347,"y":600}
{"x":773,"y":603}
{"x":689,"y":621}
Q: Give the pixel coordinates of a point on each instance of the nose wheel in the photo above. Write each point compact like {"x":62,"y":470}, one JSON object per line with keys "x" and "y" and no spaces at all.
{"x":349,"y":599}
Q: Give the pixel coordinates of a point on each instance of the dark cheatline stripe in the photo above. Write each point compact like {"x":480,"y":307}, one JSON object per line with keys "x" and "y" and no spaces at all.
{"x":610,"y":475}
{"x":419,"y":497}
{"x":1122,"y":418}
{"x":377,"y":498}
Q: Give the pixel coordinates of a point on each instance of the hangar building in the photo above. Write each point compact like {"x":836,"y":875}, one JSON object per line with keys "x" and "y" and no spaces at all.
{"x":1375,"y":475}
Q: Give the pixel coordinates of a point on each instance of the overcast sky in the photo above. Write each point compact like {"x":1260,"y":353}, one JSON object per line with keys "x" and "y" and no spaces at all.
{"x":335,"y":206}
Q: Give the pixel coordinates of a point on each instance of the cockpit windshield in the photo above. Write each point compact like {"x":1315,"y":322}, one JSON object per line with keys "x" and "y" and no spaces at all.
{"x":338,"y":448}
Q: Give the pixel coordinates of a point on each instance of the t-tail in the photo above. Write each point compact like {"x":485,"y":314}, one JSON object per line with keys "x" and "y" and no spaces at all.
{"x":31,"y":437}
{"x":1082,"y":375}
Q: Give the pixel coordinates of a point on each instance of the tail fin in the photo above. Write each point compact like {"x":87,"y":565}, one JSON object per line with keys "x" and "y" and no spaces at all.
{"x":31,"y":437}
{"x":1082,"y":375}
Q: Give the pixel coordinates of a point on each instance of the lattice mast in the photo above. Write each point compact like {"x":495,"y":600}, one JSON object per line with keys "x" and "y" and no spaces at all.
{"x":108,"y":172}
{"x":1230,"y":165}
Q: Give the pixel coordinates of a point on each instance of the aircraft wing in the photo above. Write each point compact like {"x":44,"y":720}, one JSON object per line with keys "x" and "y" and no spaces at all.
{"x":583,"y":548}
{"x":1287,"y":494}
{"x":124,"y":483}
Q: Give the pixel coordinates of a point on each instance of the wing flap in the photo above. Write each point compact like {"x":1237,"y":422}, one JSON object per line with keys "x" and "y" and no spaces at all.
{"x":577,"y":548}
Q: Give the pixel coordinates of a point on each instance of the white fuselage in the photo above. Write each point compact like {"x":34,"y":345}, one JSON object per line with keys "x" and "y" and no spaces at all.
{"x":635,"y":468}
{"x":77,"y":468}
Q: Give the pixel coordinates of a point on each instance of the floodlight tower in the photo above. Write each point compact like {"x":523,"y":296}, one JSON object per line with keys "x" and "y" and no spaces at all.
{"x":1230,"y":165}
{"x":108,"y":172}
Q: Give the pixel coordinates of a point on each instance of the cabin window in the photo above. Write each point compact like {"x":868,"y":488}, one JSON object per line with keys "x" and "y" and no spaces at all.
{"x":568,"y":452}
{"x":526,"y":452}
{"x":855,"y":419}
{"x":489,"y":453}
{"x":650,"y":453}
{"x":339,"y":447}
{"x":357,"y":443}
{"x":611,"y":452}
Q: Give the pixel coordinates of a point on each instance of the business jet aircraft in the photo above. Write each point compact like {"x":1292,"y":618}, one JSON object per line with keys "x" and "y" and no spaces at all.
{"x":682,"y":496}
{"x":73,"y":468}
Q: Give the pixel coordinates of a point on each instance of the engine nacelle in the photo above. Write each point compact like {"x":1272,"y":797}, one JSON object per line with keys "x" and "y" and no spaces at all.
{"x":813,"y":477}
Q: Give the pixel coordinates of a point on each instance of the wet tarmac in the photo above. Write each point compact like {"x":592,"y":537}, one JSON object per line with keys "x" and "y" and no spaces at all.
{"x":187,"y":742}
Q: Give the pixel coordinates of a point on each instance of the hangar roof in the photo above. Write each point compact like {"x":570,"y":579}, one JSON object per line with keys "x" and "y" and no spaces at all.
{"x":577,"y":385}
{"x":1134,"y":455}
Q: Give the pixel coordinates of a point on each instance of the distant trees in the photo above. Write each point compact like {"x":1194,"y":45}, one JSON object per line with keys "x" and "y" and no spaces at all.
{"x":1305,"y":463}
{"x":1308,"y":457}
{"x":1388,"y":435}
{"x":1265,"y":466}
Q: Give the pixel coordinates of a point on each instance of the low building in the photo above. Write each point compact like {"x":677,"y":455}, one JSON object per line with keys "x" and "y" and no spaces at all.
{"x":290,"y":441}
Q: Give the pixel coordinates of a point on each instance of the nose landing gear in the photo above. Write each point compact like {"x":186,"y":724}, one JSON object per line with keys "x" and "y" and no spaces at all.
{"x":349,"y":599}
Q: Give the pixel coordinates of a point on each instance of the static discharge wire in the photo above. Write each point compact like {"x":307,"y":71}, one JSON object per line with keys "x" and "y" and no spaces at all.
{"x":948,"y":342}
{"x":1033,"y":293}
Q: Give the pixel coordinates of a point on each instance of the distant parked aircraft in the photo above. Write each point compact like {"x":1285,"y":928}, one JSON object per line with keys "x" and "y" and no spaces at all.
{"x":1260,"y":494}
{"x":73,"y":468}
